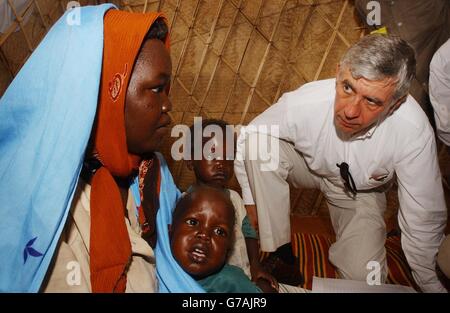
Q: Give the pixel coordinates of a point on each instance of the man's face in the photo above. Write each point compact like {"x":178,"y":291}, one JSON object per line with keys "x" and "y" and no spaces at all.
{"x":210,"y":170}
{"x":146,"y":102}
{"x":201,"y":235}
{"x":360,"y":103}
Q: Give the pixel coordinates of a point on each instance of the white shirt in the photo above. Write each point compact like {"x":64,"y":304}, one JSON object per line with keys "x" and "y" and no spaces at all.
{"x":440,"y":91}
{"x":402,"y":144}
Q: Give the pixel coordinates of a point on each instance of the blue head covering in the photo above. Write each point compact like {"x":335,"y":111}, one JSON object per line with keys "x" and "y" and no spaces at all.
{"x":46,"y":117}
{"x":171,"y":277}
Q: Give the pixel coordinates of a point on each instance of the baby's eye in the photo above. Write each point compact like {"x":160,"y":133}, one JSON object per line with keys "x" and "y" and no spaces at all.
{"x":219,"y":231}
{"x":191,"y":221}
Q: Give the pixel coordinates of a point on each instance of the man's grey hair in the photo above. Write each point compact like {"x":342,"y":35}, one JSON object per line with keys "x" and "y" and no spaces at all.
{"x":376,"y":57}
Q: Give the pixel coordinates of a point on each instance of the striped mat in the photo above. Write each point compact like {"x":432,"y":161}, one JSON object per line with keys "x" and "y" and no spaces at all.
{"x":312,"y":251}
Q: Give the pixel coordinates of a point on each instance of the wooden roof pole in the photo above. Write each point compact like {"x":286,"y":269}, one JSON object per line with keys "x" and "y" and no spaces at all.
{"x":19,"y":18}
{"x":202,"y":60}
{"x":236,"y":72}
{"x":289,"y":55}
{"x":36,"y":3}
{"x":324,"y":17}
{"x":261,"y":65}
{"x":331,"y":41}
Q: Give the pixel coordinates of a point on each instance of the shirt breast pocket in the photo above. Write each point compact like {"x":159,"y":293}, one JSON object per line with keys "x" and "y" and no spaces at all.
{"x":380,"y":177}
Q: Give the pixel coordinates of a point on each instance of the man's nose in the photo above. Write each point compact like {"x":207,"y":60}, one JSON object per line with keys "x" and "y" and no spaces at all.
{"x":353,"y":108}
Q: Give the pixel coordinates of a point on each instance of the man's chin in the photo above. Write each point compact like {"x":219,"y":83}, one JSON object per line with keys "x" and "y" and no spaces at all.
{"x":344,"y":134}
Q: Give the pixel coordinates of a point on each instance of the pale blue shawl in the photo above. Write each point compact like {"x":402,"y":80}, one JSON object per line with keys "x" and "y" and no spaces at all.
{"x":46,"y":117}
{"x":171,"y":277}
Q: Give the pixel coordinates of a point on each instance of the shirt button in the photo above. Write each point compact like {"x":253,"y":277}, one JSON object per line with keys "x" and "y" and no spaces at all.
{"x":392,"y":2}
{"x":399,"y":24}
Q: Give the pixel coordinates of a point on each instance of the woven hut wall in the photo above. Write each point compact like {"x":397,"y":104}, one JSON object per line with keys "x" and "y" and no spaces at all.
{"x":232,"y":59}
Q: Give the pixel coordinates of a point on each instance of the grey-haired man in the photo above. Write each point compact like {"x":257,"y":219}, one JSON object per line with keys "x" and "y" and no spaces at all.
{"x":350,"y":137}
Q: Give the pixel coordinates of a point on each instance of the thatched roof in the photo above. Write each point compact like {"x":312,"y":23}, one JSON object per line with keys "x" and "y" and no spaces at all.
{"x":232,"y":59}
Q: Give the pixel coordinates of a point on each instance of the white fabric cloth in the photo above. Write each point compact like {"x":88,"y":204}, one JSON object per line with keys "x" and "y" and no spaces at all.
{"x":239,"y":255}
{"x":70,"y":271}
{"x":440,"y":91}
{"x":402,"y":144}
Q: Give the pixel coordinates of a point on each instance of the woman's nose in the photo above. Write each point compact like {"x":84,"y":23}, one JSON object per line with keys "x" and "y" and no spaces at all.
{"x":167,"y":105}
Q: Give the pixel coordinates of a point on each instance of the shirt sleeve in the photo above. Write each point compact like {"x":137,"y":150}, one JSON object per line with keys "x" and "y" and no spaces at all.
{"x":423,"y":214}
{"x":274,"y":122}
{"x":247,"y":229}
{"x":440,"y":91}
{"x":239,"y":169}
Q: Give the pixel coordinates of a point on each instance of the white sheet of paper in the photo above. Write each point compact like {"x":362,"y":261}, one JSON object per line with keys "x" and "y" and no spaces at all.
{"x":329,"y":285}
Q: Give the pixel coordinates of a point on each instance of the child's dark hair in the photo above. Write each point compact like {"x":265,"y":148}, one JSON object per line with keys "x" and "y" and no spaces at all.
{"x":159,"y":30}
{"x":206,"y":122}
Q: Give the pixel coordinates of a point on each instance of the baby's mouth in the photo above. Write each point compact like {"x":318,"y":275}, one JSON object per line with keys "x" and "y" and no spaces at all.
{"x":198,"y":254}
{"x":219,"y":176}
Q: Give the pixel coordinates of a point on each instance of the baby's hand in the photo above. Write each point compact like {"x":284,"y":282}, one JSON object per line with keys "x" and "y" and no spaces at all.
{"x":258,"y":272}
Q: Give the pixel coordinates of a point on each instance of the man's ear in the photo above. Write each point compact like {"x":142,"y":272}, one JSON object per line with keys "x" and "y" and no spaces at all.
{"x":190,"y":165}
{"x":397,"y":104}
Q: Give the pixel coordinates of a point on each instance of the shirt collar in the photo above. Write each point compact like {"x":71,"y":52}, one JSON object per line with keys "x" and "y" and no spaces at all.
{"x":368,"y":134}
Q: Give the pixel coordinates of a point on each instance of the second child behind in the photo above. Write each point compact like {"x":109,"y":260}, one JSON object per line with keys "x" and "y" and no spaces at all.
{"x":216,"y":169}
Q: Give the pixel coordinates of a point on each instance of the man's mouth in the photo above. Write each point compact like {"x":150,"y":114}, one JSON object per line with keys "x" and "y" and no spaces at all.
{"x":346,"y":124}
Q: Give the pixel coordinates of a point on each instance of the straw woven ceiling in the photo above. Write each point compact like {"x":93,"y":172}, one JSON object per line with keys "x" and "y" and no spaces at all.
{"x":232,"y":59}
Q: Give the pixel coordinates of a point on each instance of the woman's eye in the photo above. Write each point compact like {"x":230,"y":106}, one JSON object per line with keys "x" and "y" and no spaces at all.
{"x":158,"y":89}
{"x":219,"y":231}
{"x":191,"y":221}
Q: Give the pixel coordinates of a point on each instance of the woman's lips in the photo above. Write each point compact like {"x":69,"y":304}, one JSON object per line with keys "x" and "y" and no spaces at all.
{"x":164,"y":121}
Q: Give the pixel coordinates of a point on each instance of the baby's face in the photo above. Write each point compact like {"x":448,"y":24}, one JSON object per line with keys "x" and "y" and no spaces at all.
{"x":201,"y":235}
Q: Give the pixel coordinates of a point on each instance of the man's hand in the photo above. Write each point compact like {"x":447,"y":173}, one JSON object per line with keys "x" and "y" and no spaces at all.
{"x":258,"y":273}
{"x":265,"y":286}
{"x":252,"y":215}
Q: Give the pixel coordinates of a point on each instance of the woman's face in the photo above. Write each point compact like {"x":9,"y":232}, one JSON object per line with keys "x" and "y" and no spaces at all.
{"x":146,"y":102}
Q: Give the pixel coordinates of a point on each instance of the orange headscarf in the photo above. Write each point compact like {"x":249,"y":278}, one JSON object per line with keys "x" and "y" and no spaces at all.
{"x":110,"y":248}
